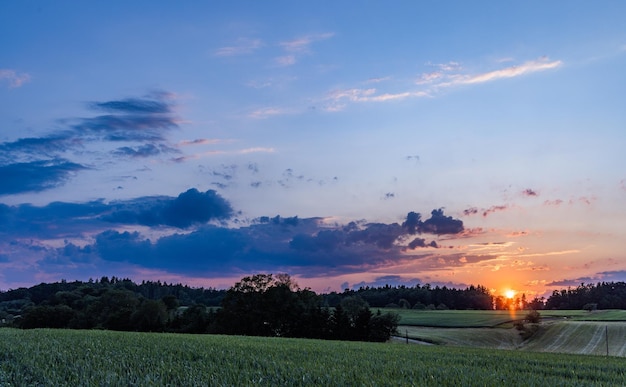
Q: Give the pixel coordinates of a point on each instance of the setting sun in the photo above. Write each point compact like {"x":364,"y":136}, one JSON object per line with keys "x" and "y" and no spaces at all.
{"x":509,"y":293}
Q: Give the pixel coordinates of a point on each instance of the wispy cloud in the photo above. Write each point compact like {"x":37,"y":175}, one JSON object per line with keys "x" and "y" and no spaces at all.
{"x":36,"y":176}
{"x":302,"y":44}
{"x":429,"y":83}
{"x":267,"y":112}
{"x":336,"y":99}
{"x":200,"y":141}
{"x":298,"y":47}
{"x":13,"y":78}
{"x":485,"y":211}
{"x":286,"y":60}
{"x":139,"y":125}
{"x":243,"y":46}
{"x":529,"y":67}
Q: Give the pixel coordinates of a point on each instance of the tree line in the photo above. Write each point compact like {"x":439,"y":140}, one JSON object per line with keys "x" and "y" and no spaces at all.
{"x":260,"y":305}
{"x":602,"y":295}
{"x":263,"y":304}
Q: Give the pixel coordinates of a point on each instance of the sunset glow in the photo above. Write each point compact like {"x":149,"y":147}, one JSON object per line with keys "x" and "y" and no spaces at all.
{"x":446,"y":146}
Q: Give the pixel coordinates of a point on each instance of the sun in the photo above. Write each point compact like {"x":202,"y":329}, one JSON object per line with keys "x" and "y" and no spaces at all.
{"x":509,"y":293}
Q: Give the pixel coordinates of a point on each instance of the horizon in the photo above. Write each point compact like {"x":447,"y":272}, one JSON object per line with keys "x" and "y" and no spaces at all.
{"x":449,"y":144}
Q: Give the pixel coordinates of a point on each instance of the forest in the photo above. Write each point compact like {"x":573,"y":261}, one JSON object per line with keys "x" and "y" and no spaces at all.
{"x":263,"y":305}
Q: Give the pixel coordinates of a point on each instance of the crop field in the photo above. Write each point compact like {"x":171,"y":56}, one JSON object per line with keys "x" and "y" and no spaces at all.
{"x":602,"y":315}
{"x":580,"y":337}
{"x":493,"y":318}
{"x":563,"y":331}
{"x":456,"y":318}
{"x":497,"y":338}
{"x":104,"y":358}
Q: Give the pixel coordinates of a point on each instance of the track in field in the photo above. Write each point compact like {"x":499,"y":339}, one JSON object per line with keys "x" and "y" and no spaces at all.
{"x":582,"y":337}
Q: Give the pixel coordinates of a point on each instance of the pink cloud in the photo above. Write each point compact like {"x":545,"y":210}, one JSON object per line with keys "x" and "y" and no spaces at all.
{"x":529,"y":192}
{"x":13,"y":78}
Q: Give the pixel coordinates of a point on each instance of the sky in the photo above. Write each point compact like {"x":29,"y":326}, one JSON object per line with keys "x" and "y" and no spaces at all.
{"x":347,"y":144}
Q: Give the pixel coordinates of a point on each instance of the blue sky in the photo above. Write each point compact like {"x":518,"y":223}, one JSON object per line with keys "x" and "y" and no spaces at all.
{"x":202,"y":142}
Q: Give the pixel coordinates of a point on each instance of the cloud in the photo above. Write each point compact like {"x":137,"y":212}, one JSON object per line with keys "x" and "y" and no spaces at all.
{"x":134,"y":106}
{"x":529,"y":192}
{"x":515,"y":71}
{"x":419,"y":242}
{"x":302,"y":44}
{"x":571,"y":282}
{"x":377,"y":79}
{"x":200,"y":141}
{"x":266,"y":112}
{"x":297,"y":47}
{"x":286,"y":60}
{"x":440,"y":224}
{"x":13,"y":78}
{"x":484,"y":211}
{"x":47,"y":146}
{"x":189,"y":208}
{"x":36,"y":176}
{"x":337,"y":98}
{"x":187,"y":235}
{"x":39,"y":163}
{"x":243,"y":46}
{"x":529,"y":67}
{"x":76,"y":220}
{"x":146,"y":150}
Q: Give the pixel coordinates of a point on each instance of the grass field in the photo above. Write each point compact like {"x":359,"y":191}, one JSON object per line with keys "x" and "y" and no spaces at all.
{"x":493,"y":318}
{"x":100,"y":358}
{"x":563,"y":331}
{"x":497,"y":338}
{"x":583,"y":337}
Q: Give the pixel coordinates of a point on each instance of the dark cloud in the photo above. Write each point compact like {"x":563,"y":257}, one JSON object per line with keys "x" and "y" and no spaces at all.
{"x":36,"y":176}
{"x":325,"y":240}
{"x":415,"y":158}
{"x":131,"y":119}
{"x":39,"y":163}
{"x":419,"y":242}
{"x":485,"y":211}
{"x":126,"y":246}
{"x":146,"y":150}
{"x":440,"y":224}
{"x":306,"y":247}
{"x":529,"y":192}
{"x":59,"y":220}
{"x":615,"y":275}
{"x":413,"y":222}
{"x":47,"y":146}
{"x":379,"y":234}
{"x":134,"y":106}
{"x":470,"y":211}
{"x":571,"y":282}
{"x":189,"y":208}
{"x":126,"y":127}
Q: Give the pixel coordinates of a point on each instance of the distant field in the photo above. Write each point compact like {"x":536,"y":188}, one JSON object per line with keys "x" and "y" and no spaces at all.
{"x":603,"y":315}
{"x":493,"y":318}
{"x":455,"y":318}
{"x":584,"y":337}
{"x":497,"y":338}
{"x":100,"y":358}
{"x":562,"y":331}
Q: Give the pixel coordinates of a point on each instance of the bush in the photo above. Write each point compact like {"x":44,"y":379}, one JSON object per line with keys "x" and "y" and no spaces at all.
{"x":533,"y":317}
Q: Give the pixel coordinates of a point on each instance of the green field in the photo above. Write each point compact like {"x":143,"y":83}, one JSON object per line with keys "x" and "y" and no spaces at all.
{"x":583,"y":337}
{"x":493,"y":318}
{"x":103,"y":358}
{"x":562,"y":331}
